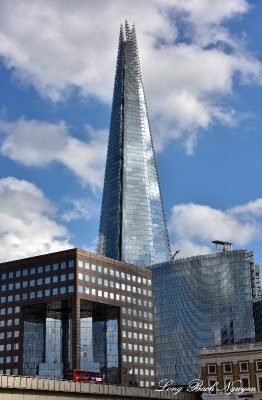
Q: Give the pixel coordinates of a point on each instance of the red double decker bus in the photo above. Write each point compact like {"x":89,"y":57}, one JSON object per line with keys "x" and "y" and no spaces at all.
{"x":84,"y":376}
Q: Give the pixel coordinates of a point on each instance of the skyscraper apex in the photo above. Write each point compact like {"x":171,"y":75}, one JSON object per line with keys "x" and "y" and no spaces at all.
{"x":132,"y":224}
{"x":128,"y":33}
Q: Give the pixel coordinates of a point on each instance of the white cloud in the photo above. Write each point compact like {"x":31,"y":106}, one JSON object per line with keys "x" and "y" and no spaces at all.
{"x":252,"y":208}
{"x":207,"y":21}
{"x":188,"y":68}
{"x":33,"y":143}
{"x":196,"y":81}
{"x":195,"y":226}
{"x":27,"y":222}
{"x":74,"y":45}
{"x":188,"y":248}
{"x":80,"y":209}
{"x":38,"y":143}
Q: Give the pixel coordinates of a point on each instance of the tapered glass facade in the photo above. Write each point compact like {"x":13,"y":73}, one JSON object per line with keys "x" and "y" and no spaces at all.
{"x":200,"y":302}
{"x":132,"y":224}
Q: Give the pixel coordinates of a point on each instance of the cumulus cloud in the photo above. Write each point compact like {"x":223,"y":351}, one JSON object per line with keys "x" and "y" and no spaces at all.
{"x":33,"y":143}
{"x":252,"y":208}
{"x":189,"y":57}
{"x":199,"y":11}
{"x":83,"y":209}
{"x":195,"y":226}
{"x":188,"y":248}
{"x":27,"y":222}
{"x":38,"y":143}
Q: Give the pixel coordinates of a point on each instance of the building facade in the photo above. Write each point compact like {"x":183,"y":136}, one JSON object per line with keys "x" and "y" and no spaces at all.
{"x":74,"y":309}
{"x":132,"y":223}
{"x":257,"y":282}
{"x":233,"y":371}
{"x":199,"y":302}
{"x":257,"y":311}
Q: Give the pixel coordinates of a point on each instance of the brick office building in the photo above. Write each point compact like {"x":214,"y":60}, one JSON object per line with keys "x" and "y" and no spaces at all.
{"x":75,"y":309}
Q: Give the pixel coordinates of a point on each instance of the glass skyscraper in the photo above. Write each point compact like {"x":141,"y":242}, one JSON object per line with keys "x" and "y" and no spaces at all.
{"x":132,"y":224}
{"x":199,"y":302}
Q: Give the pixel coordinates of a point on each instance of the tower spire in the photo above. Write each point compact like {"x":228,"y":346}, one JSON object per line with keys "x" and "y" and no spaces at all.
{"x":127,"y":30}
{"x":132,"y":223}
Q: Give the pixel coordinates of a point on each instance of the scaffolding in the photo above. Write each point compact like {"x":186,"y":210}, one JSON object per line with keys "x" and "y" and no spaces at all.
{"x":222,"y":246}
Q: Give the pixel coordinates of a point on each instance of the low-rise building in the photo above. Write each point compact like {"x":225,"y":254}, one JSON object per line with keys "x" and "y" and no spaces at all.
{"x":233,"y":371}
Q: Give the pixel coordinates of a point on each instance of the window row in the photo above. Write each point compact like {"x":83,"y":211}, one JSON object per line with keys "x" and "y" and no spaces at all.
{"x":146,"y":383}
{"x":36,"y":270}
{"x":137,"y":324}
{"x":113,"y":272}
{"x":141,"y":371}
{"x":8,"y":335}
{"x":137,"y":313}
{"x":8,"y":359}
{"x":135,"y":335}
{"x":38,"y":282}
{"x":228,"y":367}
{"x":228,"y":385}
{"x":9,"y":322}
{"x":137,"y":347}
{"x":8,"y":371}
{"x":113,"y":296}
{"x":37,"y":294}
{"x":9,"y":346}
{"x":9,"y":310}
{"x":113,"y":284}
{"x":138,"y":359}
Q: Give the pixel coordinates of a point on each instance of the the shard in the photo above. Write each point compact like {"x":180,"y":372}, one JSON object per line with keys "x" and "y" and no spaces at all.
{"x":132,"y":223}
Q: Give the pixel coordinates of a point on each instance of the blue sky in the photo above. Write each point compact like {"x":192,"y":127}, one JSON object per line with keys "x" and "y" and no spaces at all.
{"x":202,"y":70}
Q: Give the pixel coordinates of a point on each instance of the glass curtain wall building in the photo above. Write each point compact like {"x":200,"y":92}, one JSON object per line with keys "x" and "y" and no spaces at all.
{"x":200,"y":302}
{"x":132,"y":223}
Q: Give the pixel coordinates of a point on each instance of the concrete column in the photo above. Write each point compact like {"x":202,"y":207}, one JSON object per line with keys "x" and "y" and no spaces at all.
{"x":76,"y":332}
{"x":66,"y":335}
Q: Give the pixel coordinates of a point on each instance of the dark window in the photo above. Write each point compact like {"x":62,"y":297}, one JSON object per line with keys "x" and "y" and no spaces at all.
{"x":243,"y":366}
{"x":227,"y":367}
{"x":212,"y":387}
{"x":259,"y":365}
{"x":211,"y":369}
{"x":260,"y":384}
{"x":244,"y":382}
